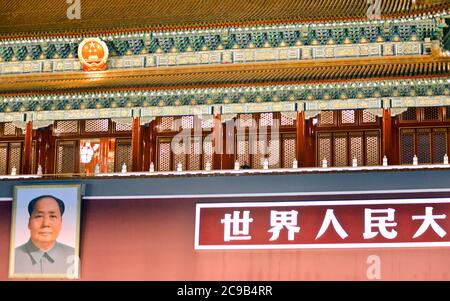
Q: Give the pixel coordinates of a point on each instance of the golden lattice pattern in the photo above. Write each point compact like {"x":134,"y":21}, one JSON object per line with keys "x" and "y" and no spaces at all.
{"x":194,"y":155}
{"x":407,"y":147}
{"x":423,"y":147}
{"x":9,"y":129}
{"x":326,"y":118}
{"x":288,"y":152}
{"x":356,"y":148}
{"x":348,"y":117}
{"x":164,"y":156}
{"x":431,"y":113}
{"x":324,"y":149}
{"x":121,"y":127}
{"x":208,"y":152}
{"x":3,"y":158}
{"x":372,"y":149}
{"x":66,"y":127}
{"x":368,"y":117}
{"x":96,"y":126}
{"x":286,"y":120}
{"x":439,"y":146}
{"x":123,"y":154}
{"x":65,"y":162}
{"x":266,"y":119}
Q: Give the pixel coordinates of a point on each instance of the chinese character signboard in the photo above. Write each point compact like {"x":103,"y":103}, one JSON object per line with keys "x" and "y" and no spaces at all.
{"x":323,"y":224}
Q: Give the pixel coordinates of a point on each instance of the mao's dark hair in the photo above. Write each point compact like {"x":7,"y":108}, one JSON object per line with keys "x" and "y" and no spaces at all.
{"x":33,"y":202}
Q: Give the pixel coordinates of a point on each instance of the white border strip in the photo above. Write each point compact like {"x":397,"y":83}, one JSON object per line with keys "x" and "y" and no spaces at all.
{"x":327,"y":246}
{"x":243,"y":195}
{"x":199,"y":206}
{"x":263,"y":194}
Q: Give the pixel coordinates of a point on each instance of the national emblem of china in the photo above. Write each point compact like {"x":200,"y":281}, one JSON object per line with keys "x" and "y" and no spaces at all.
{"x":93,"y":54}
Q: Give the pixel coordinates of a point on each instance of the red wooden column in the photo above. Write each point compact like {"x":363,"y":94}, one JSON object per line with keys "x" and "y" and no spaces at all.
{"x":387,"y":135}
{"x":136,"y":145}
{"x":217,"y":143}
{"x":27,"y":154}
{"x":301,"y":139}
{"x":149,"y":139}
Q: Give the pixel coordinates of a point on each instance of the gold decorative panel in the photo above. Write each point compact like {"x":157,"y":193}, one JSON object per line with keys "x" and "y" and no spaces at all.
{"x":66,"y":157}
{"x":164,"y":156}
{"x":372,"y":148}
{"x":66,"y":127}
{"x":439,"y":145}
{"x":96,"y":125}
{"x":289,"y":150}
{"x":123,"y":154}
{"x":3,"y":158}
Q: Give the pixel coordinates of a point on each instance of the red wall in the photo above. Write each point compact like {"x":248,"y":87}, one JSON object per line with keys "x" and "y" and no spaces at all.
{"x":154,"y":240}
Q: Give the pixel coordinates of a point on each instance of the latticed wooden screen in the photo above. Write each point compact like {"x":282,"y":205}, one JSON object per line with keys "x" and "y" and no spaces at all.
{"x":164,"y":155}
{"x":356,"y":147}
{"x":246,"y":120}
{"x":9,"y":129}
{"x":123,"y":154}
{"x":407,"y":149}
{"x":166,"y":124}
{"x":289,"y":150}
{"x":286,"y":120}
{"x":324,"y":148}
{"x":266,"y":119}
{"x":342,"y":147}
{"x":431,"y":114}
{"x":409,"y":115}
{"x":3,"y":158}
{"x":243,"y":150}
{"x":326,"y":118}
{"x":15,"y":156}
{"x":194,"y":156}
{"x":120,"y":127}
{"x":67,"y":127}
{"x":208,"y":152}
{"x":96,"y":126}
{"x":372,"y":148}
{"x":348,"y":117}
{"x":428,"y":144}
{"x":439,"y":143}
{"x":66,"y":156}
{"x":423,"y":146}
{"x":368,"y":117}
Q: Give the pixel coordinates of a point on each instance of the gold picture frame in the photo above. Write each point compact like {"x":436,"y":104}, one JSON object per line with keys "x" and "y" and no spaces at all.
{"x":45,"y":232}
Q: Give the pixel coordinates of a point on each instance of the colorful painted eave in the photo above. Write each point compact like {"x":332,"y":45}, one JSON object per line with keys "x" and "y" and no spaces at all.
{"x":97,"y":16}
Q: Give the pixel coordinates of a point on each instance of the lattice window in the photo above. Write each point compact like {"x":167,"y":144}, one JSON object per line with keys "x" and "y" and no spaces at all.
{"x":9,"y":129}
{"x":207,"y":123}
{"x":166,"y":124}
{"x":266,"y":119}
{"x":372,"y":148}
{"x":259,"y":150}
{"x":66,"y":127}
{"x":164,"y":156}
{"x":65,"y":157}
{"x":356,"y":148}
{"x":348,"y":117}
{"x":3,"y":158}
{"x":431,"y":114}
{"x":407,"y":146}
{"x":340,"y":150}
{"x":368,"y":117}
{"x":324,"y":148}
{"x":410,"y":114}
{"x":286,"y":120}
{"x":15,"y":156}
{"x":187,"y":122}
{"x":123,"y":155}
{"x":274,"y":153}
{"x":121,"y":127}
{"x":179,"y":155}
{"x":326,"y":118}
{"x":243,"y":150}
{"x":439,"y":145}
{"x":246,"y":120}
{"x":96,"y":126}
{"x":289,"y":151}
{"x":208,"y":152}
{"x":194,"y":154}
{"x":423,"y":146}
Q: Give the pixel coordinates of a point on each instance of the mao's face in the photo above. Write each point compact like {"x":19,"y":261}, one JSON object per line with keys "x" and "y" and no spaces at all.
{"x":45,"y":221}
